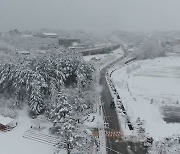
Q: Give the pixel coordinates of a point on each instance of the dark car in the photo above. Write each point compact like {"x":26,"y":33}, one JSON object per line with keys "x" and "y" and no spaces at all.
{"x":112,"y":104}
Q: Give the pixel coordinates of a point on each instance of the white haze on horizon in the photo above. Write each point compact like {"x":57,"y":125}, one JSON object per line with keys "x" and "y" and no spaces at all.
{"x":90,"y":15}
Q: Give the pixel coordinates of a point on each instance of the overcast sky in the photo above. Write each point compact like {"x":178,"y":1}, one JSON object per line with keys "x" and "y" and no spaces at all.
{"x":90,"y":15}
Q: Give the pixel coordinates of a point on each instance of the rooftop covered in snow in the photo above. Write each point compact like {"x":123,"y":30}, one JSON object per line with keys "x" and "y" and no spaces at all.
{"x":50,"y":34}
{"x":47,"y":35}
{"x":5,"y":120}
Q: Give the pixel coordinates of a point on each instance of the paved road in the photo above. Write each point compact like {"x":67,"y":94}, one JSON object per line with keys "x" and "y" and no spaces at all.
{"x":113,"y":145}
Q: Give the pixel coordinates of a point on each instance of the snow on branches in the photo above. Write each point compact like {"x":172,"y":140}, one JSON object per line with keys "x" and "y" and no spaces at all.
{"x":59,"y":110}
{"x":32,"y":78}
{"x":74,"y":139}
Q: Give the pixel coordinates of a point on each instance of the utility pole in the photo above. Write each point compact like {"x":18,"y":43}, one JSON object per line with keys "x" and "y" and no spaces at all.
{"x":68,"y":148}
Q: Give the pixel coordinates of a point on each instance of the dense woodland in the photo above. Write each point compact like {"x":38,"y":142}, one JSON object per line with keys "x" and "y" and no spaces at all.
{"x":36,"y":79}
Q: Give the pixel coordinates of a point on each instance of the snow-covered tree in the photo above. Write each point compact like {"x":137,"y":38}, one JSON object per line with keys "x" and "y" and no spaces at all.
{"x":67,"y":114}
{"x":150,"y":48}
{"x":60,"y":109}
{"x":140,"y":127}
{"x":72,"y":138}
{"x":33,"y":78}
{"x":82,"y":103}
{"x":84,"y":76}
{"x":36,"y":100}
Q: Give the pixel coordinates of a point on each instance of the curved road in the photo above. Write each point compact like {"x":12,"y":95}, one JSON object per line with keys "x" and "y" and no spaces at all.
{"x":115,"y":146}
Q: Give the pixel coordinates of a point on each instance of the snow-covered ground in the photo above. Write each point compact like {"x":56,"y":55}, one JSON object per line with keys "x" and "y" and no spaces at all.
{"x":13,"y":142}
{"x":28,"y":138}
{"x":146,"y":88}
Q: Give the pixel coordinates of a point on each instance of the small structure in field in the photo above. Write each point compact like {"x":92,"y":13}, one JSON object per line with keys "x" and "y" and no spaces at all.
{"x":6,"y":123}
{"x":49,"y":35}
{"x":23,"y":52}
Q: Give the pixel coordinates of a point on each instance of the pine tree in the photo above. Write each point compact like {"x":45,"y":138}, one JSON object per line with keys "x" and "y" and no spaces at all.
{"x":60,"y":110}
{"x":140,"y":127}
{"x":36,"y":103}
{"x":84,"y":76}
{"x":71,"y":138}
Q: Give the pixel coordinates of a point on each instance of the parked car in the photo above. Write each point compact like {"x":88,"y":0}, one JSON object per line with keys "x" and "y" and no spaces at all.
{"x":112,"y":104}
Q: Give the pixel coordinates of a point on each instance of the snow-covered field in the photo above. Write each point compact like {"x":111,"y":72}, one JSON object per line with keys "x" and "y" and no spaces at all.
{"x":28,"y":138}
{"x":13,"y":142}
{"x":147,"y":88}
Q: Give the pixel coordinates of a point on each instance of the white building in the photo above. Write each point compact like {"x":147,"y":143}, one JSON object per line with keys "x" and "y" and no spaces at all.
{"x":6,"y":123}
{"x":47,"y":35}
